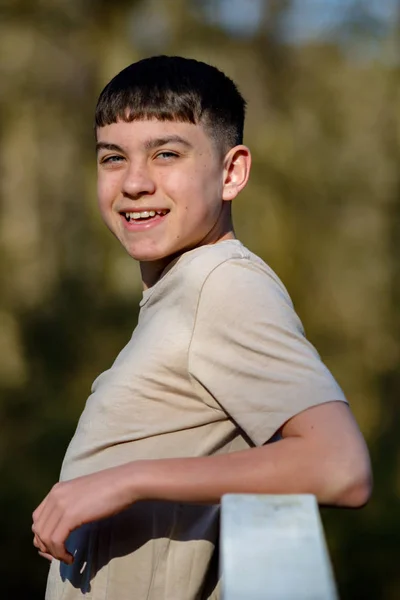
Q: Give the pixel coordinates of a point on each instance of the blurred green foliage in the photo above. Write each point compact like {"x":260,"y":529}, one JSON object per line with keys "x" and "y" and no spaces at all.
{"x":322,"y":208}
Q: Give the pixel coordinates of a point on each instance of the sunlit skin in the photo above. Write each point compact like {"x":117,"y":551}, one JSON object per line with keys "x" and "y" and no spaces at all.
{"x":174,"y":166}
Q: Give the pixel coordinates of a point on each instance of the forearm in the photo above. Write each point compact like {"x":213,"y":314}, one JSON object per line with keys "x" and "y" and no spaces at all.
{"x":285,"y":467}
{"x":206,"y":479}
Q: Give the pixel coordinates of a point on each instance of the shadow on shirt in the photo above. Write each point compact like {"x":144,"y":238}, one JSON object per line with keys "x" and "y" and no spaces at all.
{"x":163,"y":547}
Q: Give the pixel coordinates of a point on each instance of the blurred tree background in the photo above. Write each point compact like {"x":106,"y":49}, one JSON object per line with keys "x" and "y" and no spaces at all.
{"x":322,"y":81}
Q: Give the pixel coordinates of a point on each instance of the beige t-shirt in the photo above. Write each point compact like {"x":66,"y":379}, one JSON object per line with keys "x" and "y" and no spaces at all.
{"x":218,"y":362}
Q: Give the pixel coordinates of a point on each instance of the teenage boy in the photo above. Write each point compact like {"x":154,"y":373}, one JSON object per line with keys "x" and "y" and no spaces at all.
{"x":218,"y":389}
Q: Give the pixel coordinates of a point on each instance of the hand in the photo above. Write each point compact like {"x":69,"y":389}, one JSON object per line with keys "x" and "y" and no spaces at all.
{"x":39,"y":545}
{"x":73,"y":503}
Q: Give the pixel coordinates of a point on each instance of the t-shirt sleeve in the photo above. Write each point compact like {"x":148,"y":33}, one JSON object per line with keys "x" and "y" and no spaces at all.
{"x":248,"y":350}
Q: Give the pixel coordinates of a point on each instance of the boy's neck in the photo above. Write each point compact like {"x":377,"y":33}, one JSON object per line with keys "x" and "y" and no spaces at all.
{"x":152,"y":271}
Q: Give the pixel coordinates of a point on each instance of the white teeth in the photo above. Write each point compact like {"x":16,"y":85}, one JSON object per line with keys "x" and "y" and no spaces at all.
{"x":145,"y":214}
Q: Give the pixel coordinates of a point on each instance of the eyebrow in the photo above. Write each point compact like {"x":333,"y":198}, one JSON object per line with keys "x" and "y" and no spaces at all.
{"x":150,"y":144}
{"x":106,"y":146}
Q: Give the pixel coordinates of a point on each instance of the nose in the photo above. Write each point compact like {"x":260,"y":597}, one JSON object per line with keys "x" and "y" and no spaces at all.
{"x":138,"y":181}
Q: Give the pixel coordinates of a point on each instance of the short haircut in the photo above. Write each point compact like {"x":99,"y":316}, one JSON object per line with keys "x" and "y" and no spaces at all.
{"x":172,"y":88}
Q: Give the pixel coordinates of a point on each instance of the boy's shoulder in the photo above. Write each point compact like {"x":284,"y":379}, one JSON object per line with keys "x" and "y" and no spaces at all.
{"x":225,"y":271}
{"x":232,"y":265}
{"x":202,"y":261}
{"x":229,"y":270}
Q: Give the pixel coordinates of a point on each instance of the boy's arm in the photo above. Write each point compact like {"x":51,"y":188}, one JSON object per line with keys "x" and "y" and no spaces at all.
{"x":321,"y":452}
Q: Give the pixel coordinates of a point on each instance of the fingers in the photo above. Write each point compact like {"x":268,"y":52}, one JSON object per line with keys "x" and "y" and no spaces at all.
{"x":53,"y":548}
{"x":50,"y":541}
{"x":38,"y":544}
{"x":50,"y":530}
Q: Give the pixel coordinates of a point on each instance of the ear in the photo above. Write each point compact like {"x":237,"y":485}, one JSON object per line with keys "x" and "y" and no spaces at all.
{"x":237,"y":165}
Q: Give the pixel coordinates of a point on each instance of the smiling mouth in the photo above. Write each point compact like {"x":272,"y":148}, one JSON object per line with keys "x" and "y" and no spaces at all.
{"x":144,"y":215}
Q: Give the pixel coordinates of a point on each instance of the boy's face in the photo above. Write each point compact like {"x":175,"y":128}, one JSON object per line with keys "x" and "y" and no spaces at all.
{"x":161,"y":187}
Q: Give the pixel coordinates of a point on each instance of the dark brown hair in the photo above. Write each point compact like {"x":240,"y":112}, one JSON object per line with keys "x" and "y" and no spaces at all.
{"x":172,"y":88}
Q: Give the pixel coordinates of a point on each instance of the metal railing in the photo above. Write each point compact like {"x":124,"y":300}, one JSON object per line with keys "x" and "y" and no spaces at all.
{"x":273,"y":548}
